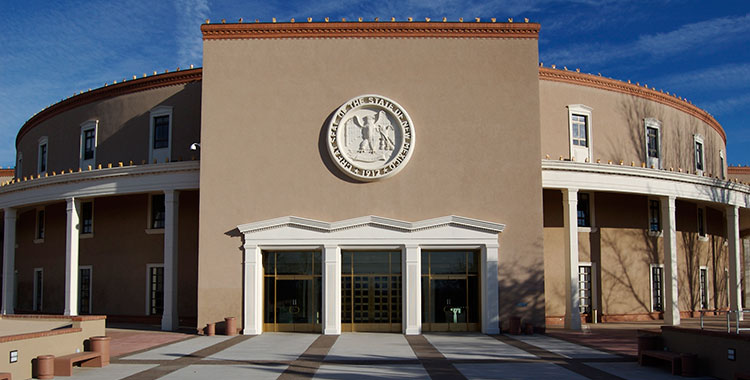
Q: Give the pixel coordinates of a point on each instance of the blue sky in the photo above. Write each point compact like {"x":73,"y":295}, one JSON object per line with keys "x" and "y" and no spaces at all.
{"x":700,"y":50}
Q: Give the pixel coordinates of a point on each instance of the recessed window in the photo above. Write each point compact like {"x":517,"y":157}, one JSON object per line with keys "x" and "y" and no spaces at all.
{"x":585,"y":289}
{"x":704,"y":287}
{"x":653,"y":142}
{"x":579,"y":126}
{"x":155,"y":304}
{"x":88,"y":143}
{"x":699,"y":154}
{"x":654,"y":215}
{"x":721,"y":164}
{"x":584,"y":210}
{"x":38,"y":288}
{"x":42,"y":156}
{"x":40,"y":228}
{"x":87,"y":218}
{"x":85,"y":273}
{"x":157,"y":211}
{"x":657,"y":287}
{"x":160,"y":138}
{"x":701,"y":222}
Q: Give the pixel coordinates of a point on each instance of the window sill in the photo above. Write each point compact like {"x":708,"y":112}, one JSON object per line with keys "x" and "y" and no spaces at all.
{"x":86,"y":236}
{"x":38,"y":241}
{"x":655,"y":233}
{"x":702,"y":237}
{"x":154,"y":231}
{"x":587,"y":229}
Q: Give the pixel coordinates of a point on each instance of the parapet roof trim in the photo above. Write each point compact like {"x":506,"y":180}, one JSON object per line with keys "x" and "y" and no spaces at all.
{"x":738,"y":169}
{"x":596,"y":81}
{"x":110,"y":91}
{"x":377,"y":29}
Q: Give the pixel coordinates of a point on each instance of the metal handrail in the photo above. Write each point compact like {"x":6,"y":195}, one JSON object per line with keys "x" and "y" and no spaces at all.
{"x":738,"y":316}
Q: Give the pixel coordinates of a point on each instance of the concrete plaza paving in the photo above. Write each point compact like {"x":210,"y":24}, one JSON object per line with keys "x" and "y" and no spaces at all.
{"x":373,"y":356}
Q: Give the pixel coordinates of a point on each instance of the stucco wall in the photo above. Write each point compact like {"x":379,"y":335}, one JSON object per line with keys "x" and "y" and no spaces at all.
{"x":617,"y":127}
{"x":123,"y":132}
{"x":474,"y":104}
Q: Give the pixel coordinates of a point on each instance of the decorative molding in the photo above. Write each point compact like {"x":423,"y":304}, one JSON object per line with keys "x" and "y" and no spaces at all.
{"x":603,"y":83}
{"x":110,"y":91}
{"x":371,"y":221}
{"x":370,"y":30}
{"x":739,"y":170}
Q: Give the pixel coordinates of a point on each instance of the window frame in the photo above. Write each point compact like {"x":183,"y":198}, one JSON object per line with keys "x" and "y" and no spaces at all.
{"x":90,"y":234}
{"x":160,"y":154}
{"x":148,"y":287}
{"x":42,"y":158}
{"x":91,"y":287}
{"x":40,"y":222}
{"x":660,"y":230}
{"x":723,"y":164}
{"x":19,"y":164}
{"x":90,"y":125}
{"x":651,"y":287}
{"x":652,"y":123}
{"x":703,"y":286}
{"x":150,"y":229}
{"x":592,"y":283}
{"x":577,"y":152}
{"x":38,"y":305}
{"x":590,"y":204}
{"x":699,"y":157}
{"x":702,"y":226}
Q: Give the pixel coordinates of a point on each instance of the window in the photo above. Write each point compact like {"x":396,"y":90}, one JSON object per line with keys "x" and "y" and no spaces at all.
{"x":721,"y":164}
{"x":653,"y":142}
{"x":39,"y":237}
{"x":38,"y":287}
{"x":579,"y":124}
{"x":160,"y":139}
{"x":701,"y":222}
{"x":654,"y":215}
{"x":84,"y":289}
{"x":42,"y":158}
{"x":88,"y":143}
{"x":157,"y":211}
{"x":19,"y":165}
{"x":87,"y":218}
{"x":155,"y":288}
{"x":584,"y":288}
{"x":699,"y":155}
{"x":584,"y":210}
{"x":657,"y":287}
{"x":704,"y":287}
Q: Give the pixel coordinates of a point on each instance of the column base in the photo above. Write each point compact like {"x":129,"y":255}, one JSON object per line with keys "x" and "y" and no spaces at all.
{"x":331,"y":332}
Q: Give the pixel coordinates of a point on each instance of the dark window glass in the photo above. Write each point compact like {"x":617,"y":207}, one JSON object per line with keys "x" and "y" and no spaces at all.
{"x":580,"y":132}
{"x":161,"y":132}
{"x":584,"y":217}
{"x":89,"y":137}
{"x":698,"y":155}
{"x":84,"y":288}
{"x":654,"y":215}
{"x":704,"y":288}
{"x":38,"y":288}
{"x":653,"y":142}
{"x":157,"y":211}
{"x":156,"y":290}
{"x":701,"y":223}
{"x":656,"y":287}
{"x":87,"y":217}
{"x":43,"y":158}
{"x":40,"y":224}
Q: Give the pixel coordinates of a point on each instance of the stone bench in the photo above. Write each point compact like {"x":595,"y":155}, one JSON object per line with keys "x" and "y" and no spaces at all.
{"x":5,"y":376}
{"x":64,"y":364}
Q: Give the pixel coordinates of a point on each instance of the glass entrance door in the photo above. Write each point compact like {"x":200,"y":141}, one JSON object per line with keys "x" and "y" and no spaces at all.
{"x":371,"y":291}
{"x":292,"y":288}
{"x":450,"y":291}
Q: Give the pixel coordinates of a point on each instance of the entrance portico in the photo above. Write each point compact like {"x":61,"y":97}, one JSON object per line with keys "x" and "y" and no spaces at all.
{"x":385,"y":239}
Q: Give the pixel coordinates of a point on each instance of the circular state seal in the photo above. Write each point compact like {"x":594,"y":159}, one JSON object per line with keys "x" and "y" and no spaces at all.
{"x":370,"y":137}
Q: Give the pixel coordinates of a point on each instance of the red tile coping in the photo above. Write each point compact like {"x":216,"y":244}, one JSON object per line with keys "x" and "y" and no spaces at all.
{"x":40,"y":334}
{"x":738,"y":169}
{"x":370,"y":30}
{"x":75,"y":318}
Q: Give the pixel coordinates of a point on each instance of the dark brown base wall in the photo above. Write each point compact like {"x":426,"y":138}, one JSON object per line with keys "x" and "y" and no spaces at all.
{"x":559,"y":320}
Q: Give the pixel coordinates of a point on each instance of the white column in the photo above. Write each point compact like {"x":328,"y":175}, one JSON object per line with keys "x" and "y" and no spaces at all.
{"x":670,"y":280}
{"x":170,"y":317}
{"x":331,"y":290}
{"x":9,"y":260}
{"x":412,"y":290}
{"x":252,"y":275}
{"x":490,"y":315}
{"x":733,"y":232}
{"x":570,"y":221}
{"x":73,"y":209}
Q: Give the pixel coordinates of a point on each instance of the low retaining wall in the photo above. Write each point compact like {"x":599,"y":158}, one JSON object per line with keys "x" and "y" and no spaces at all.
{"x":60,"y":341}
{"x":712,"y":349}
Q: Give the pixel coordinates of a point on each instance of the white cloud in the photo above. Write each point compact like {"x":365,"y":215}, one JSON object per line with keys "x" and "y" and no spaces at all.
{"x":729,"y":76}
{"x":190,"y":14}
{"x":727,"y":105}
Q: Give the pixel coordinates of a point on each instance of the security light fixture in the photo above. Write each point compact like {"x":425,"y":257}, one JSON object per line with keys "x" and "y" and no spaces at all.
{"x":195,"y":146}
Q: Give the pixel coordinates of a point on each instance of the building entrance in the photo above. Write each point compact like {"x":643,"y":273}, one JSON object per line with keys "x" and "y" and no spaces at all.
{"x":371,"y":291}
{"x":450,"y":291}
{"x":292,"y":291}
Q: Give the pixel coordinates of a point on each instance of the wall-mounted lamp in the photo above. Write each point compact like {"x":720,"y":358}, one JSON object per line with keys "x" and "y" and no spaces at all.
{"x":195,"y":146}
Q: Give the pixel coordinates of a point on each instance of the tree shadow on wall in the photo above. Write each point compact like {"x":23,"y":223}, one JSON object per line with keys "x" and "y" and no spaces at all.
{"x":521,"y":289}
